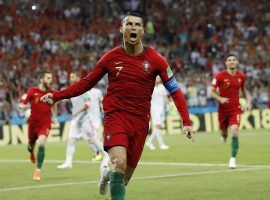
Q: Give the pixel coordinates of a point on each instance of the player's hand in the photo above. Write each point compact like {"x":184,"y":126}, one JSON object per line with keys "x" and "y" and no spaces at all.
{"x":22,"y":106}
{"x":188,"y":131}
{"x":223,"y":100}
{"x":47,"y":98}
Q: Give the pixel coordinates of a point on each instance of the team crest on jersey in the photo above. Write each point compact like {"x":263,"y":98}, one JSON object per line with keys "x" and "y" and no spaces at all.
{"x":239,"y":80}
{"x":146,"y":66}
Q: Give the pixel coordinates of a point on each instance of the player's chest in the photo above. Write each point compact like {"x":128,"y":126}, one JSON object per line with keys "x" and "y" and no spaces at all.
{"x":231,"y":82}
{"x":133,"y":69}
{"x":35,"y":99}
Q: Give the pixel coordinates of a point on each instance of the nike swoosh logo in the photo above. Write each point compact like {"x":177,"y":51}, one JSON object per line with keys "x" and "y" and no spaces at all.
{"x":117,"y":63}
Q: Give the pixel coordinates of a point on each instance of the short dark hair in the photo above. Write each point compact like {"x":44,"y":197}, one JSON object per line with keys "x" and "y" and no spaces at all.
{"x":42,"y":73}
{"x":229,"y":55}
{"x":135,"y":14}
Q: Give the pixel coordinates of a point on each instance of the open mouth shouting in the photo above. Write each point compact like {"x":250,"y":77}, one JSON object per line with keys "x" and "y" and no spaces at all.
{"x":133,"y":37}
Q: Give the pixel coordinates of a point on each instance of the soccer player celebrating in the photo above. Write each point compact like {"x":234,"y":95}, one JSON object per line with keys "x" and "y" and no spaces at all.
{"x":40,"y":119}
{"x":229,"y":82}
{"x":82,"y":125}
{"x":132,"y":69}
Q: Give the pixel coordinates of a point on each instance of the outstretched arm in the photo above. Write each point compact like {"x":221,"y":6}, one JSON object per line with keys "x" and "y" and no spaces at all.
{"x":76,"y":89}
{"x":84,"y":85}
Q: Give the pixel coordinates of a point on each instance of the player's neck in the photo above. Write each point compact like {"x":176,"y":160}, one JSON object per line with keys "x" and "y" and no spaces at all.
{"x":232,"y":71}
{"x":133,"y":50}
{"x":42,"y":88}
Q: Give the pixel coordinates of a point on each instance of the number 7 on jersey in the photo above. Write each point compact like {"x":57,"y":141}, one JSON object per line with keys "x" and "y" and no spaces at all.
{"x":119,"y":68}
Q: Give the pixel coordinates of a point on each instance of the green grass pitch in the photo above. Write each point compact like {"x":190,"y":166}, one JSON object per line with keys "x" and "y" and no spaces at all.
{"x":187,"y":171}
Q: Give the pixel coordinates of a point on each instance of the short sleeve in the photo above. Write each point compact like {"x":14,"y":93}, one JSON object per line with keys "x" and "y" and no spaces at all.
{"x":215,"y":82}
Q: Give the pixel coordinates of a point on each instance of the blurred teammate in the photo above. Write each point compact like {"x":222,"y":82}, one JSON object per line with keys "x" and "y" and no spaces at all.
{"x":132,"y":69}
{"x":229,"y":82}
{"x":158,"y":103}
{"x":39,"y":121}
{"x":84,"y":123}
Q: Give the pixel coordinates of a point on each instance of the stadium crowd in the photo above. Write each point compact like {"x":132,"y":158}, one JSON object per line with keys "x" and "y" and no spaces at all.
{"x":67,"y":35}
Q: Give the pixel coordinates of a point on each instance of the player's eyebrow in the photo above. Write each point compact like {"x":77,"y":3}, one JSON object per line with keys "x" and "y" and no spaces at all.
{"x":136,"y":23}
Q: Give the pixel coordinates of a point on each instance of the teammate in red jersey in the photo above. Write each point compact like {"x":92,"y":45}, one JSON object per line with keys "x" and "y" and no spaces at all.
{"x":39,"y":121}
{"x":229,"y":82}
{"x":132,"y":69}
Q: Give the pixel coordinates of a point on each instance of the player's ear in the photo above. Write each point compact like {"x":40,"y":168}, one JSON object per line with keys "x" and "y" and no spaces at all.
{"x":142,"y":31}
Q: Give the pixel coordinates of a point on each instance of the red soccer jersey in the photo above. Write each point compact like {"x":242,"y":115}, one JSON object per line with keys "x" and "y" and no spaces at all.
{"x":131,"y":80}
{"x":229,"y":86}
{"x":40,"y":111}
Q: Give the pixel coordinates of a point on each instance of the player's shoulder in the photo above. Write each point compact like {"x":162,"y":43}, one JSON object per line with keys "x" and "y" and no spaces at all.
{"x":33,"y":89}
{"x":110,"y":54}
{"x":150,"y":50}
{"x":155,"y":56}
{"x":114,"y":50}
{"x":221,"y":74}
{"x":241,"y":74}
